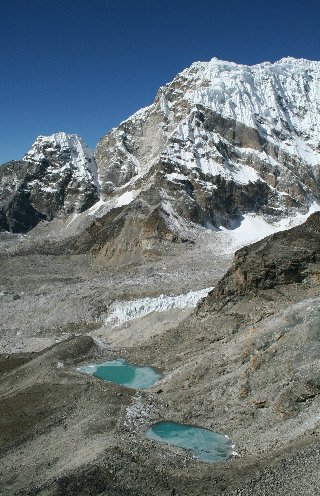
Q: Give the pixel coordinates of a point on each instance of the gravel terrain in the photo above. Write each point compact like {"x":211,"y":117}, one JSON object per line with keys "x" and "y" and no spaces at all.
{"x":249,"y":370}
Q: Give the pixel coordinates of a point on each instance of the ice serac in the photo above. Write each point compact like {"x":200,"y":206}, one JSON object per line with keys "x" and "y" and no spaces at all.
{"x":222,"y":140}
{"x":57,"y":177}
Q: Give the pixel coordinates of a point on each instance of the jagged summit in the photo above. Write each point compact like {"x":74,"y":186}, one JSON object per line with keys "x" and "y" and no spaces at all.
{"x":57,"y":176}
{"x":69,"y":149}
{"x":280,"y":100}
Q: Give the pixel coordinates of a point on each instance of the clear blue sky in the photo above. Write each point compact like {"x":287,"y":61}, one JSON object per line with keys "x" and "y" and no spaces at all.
{"x":82,"y":66}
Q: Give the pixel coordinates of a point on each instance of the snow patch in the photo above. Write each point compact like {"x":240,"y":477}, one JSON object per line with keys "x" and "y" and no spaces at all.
{"x":125,"y":198}
{"x":96,"y":207}
{"x":48,"y":189}
{"x":244,"y":174}
{"x":104,"y":206}
{"x":176,"y":177}
{"x":72,"y":218}
{"x":253,"y":227}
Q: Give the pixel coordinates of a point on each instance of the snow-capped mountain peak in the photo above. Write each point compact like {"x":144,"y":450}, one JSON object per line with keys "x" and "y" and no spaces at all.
{"x":220,"y":141}
{"x":232,"y":138}
{"x":58,"y":176}
{"x":281,"y":99}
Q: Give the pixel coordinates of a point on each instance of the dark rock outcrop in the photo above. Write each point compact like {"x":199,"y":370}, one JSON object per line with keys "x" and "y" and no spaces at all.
{"x":287,"y":257}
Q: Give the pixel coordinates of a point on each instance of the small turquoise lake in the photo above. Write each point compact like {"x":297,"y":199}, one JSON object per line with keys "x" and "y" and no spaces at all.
{"x":120,"y":372}
{"x":205,"y":444}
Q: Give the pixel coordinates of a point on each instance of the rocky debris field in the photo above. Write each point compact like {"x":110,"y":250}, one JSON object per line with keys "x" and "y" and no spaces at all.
{"x":245,"y":363}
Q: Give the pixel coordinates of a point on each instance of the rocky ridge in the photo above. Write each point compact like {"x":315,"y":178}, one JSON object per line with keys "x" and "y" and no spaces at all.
{"x":289,"y":257}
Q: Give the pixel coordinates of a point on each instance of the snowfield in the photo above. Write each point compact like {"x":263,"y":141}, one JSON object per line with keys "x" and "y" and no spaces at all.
{"x":253,"y":227}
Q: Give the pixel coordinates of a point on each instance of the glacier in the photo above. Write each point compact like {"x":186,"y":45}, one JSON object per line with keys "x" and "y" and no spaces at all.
{"x":123,"y":311}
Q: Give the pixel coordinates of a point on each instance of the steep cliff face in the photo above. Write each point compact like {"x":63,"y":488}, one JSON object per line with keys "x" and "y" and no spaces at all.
{"x":58,"y":176}
{"x":223,"y":139}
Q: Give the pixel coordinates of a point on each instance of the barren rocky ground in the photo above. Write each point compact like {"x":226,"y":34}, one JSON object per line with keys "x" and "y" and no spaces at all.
{"x":244,"y":363}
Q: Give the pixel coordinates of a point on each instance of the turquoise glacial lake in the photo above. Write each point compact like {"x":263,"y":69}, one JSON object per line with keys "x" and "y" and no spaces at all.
{"x":206,"y":445}
{"x":121,"y":372}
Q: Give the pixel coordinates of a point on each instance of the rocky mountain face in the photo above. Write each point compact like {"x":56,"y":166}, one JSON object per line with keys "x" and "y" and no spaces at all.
{"x":58,"y":176}
{"x":220,"y":141}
